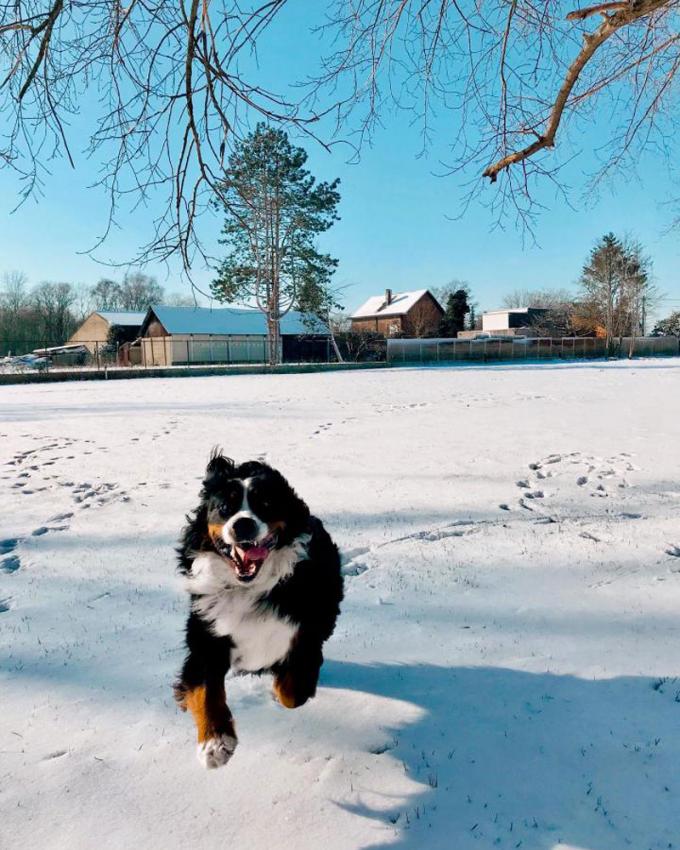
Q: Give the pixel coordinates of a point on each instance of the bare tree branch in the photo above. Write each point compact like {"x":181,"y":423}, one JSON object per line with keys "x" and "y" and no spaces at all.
{"x":172,"y":86}
{"x":628,"y":13}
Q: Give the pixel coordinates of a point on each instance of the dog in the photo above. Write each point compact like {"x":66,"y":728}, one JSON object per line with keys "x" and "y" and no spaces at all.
{"x":265,"y":584}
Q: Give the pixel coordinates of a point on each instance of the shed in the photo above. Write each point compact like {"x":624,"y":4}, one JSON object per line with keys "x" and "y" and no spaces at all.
{"x":416,"y":314}
{"x":513,"y":321}
{"x":94,"y":331}
{"x":180,"y":335}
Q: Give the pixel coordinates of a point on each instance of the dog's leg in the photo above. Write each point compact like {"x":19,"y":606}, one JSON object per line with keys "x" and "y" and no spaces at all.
{"x":200,"y":690}
{"x":295,"y":679}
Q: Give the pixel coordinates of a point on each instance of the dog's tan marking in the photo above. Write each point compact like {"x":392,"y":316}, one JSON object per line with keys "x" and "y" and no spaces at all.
{"x":195,"y":701}
{"x":215,"y":531}
{"x":209,"y":711}
{"x":284,"y":688}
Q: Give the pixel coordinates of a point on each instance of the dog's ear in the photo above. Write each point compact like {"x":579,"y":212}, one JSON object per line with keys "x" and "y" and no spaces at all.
{"x":219,"y":469}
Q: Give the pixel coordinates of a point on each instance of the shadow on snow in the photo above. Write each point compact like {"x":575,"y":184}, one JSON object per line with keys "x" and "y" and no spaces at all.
{"x":514,"y":759}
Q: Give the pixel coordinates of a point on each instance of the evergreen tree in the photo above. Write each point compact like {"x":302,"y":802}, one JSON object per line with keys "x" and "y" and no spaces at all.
{"x":669,"y":326}
{"x":617,"y":287}
{"x":457,"y":308}
{"x":274,"y":209}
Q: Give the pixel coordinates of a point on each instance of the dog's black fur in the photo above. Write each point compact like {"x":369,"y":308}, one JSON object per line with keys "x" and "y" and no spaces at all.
{"x":307,"y":597}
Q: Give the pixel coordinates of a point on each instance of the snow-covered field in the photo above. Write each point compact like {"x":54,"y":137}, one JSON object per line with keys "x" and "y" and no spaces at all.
{"x":504,"y":670}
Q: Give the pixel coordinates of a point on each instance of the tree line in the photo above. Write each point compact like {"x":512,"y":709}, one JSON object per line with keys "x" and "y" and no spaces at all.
{"x":47,"y":313}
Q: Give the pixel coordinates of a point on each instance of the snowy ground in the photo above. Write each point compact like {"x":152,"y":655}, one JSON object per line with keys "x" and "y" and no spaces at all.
{"x":504,"y":670}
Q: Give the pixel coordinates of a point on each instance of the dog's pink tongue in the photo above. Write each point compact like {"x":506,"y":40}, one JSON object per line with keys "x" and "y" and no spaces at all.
{"x":255,"y":553}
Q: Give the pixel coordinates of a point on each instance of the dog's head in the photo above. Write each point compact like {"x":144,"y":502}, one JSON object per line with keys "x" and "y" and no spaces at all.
{"x":251,"y":512}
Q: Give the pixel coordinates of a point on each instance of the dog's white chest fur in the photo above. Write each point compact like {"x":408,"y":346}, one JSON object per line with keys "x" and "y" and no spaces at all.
{"x":260,"y":637}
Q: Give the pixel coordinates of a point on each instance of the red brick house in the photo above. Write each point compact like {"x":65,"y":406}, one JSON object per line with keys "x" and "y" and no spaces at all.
{"x":411,"y":314}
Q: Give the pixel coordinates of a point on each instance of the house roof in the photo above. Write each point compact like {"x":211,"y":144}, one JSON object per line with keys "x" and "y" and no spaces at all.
{"x":512,"y":310}
{"x":126,"y":318}
{"x":228,"y":321}
{"x":377,"y":306}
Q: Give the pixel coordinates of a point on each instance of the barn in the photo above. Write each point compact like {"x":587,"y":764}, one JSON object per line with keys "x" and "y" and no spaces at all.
{"x":412,"y":314}
{"x":94,"y":331}
{"x":198,"y":335}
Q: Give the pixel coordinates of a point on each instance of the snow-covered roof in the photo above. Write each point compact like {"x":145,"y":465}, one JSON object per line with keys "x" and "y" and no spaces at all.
{"x":126,"y":318}
{"x":61,"y":349}
{"x":377,"y":305}
{"x":230,"y":321}
{"x":511,"y":310}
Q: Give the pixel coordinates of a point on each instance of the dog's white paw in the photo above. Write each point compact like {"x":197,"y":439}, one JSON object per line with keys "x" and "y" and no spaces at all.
{"x":216,"y":752}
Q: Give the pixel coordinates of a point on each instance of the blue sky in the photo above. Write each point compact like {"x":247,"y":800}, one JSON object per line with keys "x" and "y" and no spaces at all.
{"x":399,"y":225}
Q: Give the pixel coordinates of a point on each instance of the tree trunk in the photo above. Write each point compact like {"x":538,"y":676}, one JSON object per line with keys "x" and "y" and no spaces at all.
{"x":336,"y":350}
{"x":273,"y":340}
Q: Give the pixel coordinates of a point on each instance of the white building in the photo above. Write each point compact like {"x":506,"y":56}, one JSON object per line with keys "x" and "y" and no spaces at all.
{"x":509,"y":321}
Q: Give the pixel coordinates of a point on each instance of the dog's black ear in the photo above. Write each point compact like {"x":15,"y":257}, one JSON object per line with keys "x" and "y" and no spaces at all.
{"x":219,"y":469}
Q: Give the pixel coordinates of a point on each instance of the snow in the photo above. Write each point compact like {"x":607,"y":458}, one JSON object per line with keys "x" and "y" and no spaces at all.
{"x":505,"y":671}
{"x":400,"y":304}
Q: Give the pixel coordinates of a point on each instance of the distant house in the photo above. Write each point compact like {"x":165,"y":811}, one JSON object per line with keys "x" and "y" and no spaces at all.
{"x":416,"y":313}
{"x":515,"y":321}
{"x":181,"y":335}
{"x":94,"y":331}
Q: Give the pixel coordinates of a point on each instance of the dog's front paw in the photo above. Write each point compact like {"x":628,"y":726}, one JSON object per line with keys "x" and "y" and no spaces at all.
{"x":217,"y":751}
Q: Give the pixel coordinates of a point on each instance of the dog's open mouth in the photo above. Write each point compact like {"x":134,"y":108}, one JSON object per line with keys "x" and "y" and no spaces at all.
{"x":248,"y":557}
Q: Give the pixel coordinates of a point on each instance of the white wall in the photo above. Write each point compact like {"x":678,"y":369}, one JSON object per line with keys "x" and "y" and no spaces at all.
{"x":495,"y":321}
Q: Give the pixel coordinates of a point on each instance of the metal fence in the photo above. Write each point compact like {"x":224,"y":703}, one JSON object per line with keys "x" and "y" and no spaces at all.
{"x":517,"y":349}
{"x":35,"y":355}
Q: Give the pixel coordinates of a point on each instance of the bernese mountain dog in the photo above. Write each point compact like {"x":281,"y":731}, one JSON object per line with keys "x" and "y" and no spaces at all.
{"x":265,"y":584}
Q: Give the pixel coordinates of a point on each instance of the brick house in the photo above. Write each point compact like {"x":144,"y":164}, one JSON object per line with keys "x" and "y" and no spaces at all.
{"x":411,"y":314}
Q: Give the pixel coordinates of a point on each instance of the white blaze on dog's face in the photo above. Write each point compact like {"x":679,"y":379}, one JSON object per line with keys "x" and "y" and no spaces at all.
{"x":244,"y":526}
{"x":247,"y":524}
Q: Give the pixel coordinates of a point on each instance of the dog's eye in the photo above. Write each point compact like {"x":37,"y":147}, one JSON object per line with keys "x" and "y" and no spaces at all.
{"x":224,"y":509}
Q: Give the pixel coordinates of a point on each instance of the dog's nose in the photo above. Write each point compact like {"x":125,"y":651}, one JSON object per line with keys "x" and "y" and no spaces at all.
{"x":244,"y":528}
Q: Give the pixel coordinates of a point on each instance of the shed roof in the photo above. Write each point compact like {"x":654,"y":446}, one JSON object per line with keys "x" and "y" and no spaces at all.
{"x":377,"y":305}
{"x":126,"y":318}
{"x":507,"y":310}
{"x":229,"y":321}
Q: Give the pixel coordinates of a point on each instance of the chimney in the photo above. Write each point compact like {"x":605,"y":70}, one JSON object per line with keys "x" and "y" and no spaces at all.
{"x":388,"y":296}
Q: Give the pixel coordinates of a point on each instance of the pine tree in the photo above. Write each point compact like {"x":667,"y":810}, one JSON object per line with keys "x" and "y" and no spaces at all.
{"x":274,"y":210}
{"x":616,"y":285}
{"x":457,"y":308}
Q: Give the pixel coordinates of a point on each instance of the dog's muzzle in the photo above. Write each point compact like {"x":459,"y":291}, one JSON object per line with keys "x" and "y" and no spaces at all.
{"x":248,"y":556}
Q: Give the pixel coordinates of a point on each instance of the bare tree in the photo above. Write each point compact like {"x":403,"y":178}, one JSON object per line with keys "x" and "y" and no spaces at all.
{"x":106,"y":294}
{"x":14,"y":294}
{"x":546,"y":298}
{"x":14,"y":312}
{"x":180,"y":299}
{"x":52,"y":304}
{"x":82,"y":302}
{"x":518,"y":74}
{"x":139,"y":290}
{"x":173,"y":99}
{"x":136,"y":292}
